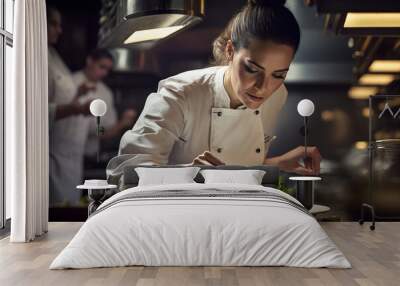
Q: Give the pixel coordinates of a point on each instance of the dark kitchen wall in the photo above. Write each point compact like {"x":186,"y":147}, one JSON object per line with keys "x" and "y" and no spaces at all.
{"x":80,"y":27}
{"x":334,"y":127}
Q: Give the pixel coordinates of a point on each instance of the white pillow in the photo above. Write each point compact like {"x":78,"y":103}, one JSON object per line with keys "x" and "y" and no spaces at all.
{"x":163,"y":176}
{"x":248,"y":177}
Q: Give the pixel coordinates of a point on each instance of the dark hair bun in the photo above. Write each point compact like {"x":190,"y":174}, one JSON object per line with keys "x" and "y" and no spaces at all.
{"x":269,"y":3}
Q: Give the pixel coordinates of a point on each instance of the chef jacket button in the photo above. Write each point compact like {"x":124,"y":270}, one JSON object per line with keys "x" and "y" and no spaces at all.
{"x":219,"y":150}
{"x":219,"y":113}
{"x":257,"y":112}
{"x":258,"y":150}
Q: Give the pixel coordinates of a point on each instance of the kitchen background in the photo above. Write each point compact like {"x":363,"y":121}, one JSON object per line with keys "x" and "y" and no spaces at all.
{"x":327,"y":69}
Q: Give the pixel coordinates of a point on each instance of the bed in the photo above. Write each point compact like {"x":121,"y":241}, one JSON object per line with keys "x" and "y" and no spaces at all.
{"x":200,"y":224}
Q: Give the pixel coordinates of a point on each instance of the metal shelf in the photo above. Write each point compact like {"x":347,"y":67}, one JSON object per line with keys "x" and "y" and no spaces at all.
{"x":390,"y":145}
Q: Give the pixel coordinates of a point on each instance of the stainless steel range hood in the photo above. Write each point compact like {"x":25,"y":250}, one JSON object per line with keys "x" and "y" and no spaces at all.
{"x":142,"y":23}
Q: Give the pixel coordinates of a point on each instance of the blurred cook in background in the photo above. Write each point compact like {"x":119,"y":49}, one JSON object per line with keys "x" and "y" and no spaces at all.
{"x":68,"y":123}
{"x":99,"y":63}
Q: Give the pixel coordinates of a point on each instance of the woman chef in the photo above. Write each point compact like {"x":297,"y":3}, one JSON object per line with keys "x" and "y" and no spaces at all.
{"x":224,"y":114}
{"x":67,"y":123}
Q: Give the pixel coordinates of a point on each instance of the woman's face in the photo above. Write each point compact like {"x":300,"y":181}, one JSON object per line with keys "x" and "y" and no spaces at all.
{"x":54,"y":29}
{"x":258,"y":71}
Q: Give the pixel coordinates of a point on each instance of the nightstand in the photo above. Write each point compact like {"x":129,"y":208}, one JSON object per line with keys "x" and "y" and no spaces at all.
{"x":97,"y":190}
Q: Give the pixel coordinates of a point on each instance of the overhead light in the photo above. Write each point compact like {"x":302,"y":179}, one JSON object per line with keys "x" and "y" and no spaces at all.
{"x":361,"y":145}
{"x":376,"y":79}
{"x":327,"y":115}
{"x":362,"y":92}
{"x":372,"y":20}
{"x":365,"y":112}
{"x":152,"y":34}
{"x":361,"y":17}
{"x":385,"y":66}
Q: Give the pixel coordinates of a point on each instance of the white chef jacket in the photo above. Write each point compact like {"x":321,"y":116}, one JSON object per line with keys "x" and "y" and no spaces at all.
{"x":67,"y":136}
{"x":108,"y":120}
{"x":174,"y":126}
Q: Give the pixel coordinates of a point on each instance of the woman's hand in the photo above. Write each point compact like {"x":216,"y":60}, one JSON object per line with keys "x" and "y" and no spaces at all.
{"x":207,"y":158}
{"x":290,"y":161}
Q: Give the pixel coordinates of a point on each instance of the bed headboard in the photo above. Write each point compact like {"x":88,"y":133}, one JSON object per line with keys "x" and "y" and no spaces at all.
{"x":130,"y":177}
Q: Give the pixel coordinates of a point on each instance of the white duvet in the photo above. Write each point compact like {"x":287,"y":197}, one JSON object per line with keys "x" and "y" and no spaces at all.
{"x":190,"y":231}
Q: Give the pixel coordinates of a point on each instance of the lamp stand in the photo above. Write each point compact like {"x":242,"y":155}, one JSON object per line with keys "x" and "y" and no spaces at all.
{"x":305,"y":137}
{"x":99,"y":131}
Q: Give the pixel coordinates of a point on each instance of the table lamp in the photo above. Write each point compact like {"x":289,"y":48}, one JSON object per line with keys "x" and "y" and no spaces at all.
{"x":97,"y":192}
{"x":305,"y":108}
{"x":305,"y":184}
{"x":98,"y":108}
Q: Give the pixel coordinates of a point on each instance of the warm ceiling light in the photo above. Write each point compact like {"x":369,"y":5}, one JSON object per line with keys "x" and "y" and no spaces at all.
{"x":385,"y":66}
{"x":362,"y":92}
{"x":372,"y":20}
{"x":376,"y":79}
{"x":361,"y":145}
{"x":365,"y":112}
{"x":152,"y":34}
{"x":327,"y":115}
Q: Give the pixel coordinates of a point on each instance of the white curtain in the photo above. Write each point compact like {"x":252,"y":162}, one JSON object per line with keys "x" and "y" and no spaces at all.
{"x":27,"y":124}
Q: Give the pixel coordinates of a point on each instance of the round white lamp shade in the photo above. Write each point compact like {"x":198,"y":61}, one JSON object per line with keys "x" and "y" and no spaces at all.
{"x":98,"y":107}
{"x":305,"y":107}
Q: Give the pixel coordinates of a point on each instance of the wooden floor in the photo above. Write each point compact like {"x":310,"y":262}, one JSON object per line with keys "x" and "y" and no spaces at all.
{"x":375,"y":257}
